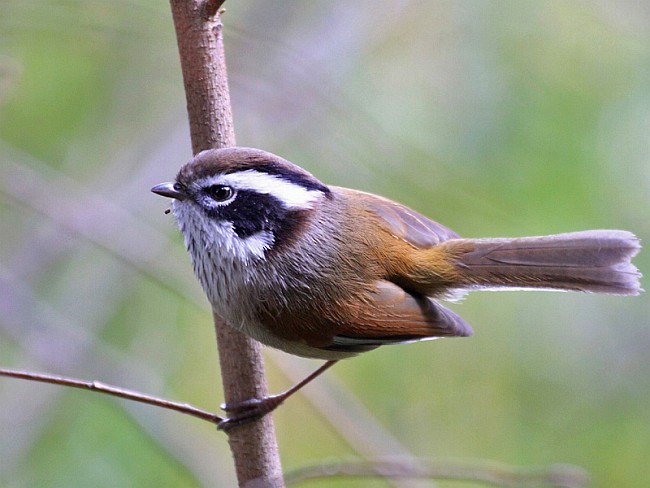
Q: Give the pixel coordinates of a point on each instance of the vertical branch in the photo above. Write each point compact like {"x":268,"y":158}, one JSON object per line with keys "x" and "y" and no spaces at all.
{"x":203,"y":62}
{"x":200,"y":43}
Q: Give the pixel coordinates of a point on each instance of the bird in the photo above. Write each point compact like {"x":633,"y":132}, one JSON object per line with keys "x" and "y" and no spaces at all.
{"x":327,"y":272}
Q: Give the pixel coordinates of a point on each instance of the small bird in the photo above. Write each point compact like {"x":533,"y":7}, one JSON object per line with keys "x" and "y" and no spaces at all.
{"x":328,"y":272}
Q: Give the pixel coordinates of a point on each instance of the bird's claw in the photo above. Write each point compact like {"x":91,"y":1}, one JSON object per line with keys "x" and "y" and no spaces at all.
{"x":248,"y":410}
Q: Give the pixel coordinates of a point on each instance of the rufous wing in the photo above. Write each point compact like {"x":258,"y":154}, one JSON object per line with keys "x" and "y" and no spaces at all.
{"x":390,"y":315}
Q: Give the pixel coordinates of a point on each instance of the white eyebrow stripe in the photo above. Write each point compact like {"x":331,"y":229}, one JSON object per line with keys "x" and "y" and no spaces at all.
{"x":290,"y":194}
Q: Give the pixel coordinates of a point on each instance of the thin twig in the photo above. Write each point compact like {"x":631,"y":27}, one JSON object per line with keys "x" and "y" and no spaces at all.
{"x":491,"y":474}
{"x":115,"y":391}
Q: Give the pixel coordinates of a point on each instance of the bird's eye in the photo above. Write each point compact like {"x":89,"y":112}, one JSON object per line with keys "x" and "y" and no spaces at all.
{"x":220,"y":193}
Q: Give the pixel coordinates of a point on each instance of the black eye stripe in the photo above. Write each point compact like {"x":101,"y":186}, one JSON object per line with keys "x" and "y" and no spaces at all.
{"x":252,"y":212}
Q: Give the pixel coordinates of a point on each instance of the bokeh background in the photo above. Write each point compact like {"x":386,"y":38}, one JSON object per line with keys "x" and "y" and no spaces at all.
{"x":495,"y":118}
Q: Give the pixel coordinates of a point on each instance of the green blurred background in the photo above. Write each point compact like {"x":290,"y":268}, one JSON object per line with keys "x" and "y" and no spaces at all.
{"x":495,"y":118}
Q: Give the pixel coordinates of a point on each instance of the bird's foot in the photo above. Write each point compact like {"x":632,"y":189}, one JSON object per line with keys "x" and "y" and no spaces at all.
{"x":249,"y":410}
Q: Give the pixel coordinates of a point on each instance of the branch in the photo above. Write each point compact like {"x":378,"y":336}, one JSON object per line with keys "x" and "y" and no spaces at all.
{"x":114,"y":391}
{"x":562,"y":476}
{"x":200,"y":43}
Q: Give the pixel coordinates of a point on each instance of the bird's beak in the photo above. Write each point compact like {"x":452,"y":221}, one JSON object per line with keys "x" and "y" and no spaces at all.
{"x":169,"y":190}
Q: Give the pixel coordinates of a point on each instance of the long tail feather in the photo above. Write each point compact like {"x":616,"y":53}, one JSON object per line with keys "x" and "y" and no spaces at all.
{"x":597,"y":261}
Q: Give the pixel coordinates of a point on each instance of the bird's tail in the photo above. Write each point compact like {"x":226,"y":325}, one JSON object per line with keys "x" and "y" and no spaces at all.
{"x":597,"y":261}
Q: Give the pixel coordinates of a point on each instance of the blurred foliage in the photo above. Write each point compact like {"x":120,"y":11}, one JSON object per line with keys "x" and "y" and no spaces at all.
{"x":495,"y":118}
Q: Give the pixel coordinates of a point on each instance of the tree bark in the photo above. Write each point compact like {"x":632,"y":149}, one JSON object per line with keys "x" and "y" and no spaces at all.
{"x":200,"y":43}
